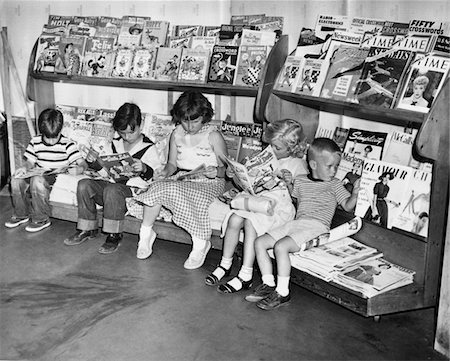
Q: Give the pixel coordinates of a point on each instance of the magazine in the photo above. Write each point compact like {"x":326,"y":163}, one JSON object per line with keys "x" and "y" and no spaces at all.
{"x":288,"y":73}
{"x":306,"y":79}
{"x":243,"y":140}
{"x":203,"y":43}
{"x":99,"y":57}
{"x":143,"y":63}
{"x":222,"y":67}
{"x":194,"y":65}
{"x":167,"y":64}
{"x":42,"y":172}
{"x":365,"y":143}
{"x":256,"y":172}
{"x":250,"y":63}
{"x":385,"y":183}
{"x":46,"y":53}
{"x":118,"y":167}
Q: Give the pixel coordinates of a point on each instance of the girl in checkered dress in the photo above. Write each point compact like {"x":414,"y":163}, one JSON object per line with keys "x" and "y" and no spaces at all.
{"x":194,"y":143}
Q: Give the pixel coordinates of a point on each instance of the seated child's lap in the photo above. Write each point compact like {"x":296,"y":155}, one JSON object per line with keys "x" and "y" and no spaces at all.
{"x":300,"y":230}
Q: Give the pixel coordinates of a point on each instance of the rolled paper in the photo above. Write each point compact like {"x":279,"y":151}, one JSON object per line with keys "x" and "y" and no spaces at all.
{"x":257,"y":204}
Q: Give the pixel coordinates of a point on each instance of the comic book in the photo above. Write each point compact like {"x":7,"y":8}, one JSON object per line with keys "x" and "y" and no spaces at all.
{"x":256,"y":37}
{"x":247,"y":19}
{"x":167,"y":63}
{"x":288,"y":73}
{"x":70,"y":55}
{"x":54,"y":30}
{"x":203,"y":43}
{"x":257,"y":171}
{"x":59,"y":20}
{"x":98,"y":60}
{"x":83,"y":26}
{"x":155,"y":33}
{"x":230,"y":34}
{"x":251,"y":60}
{"x":423,"y":83}
{"x":143,"y":63}
{"x":46,"y":53}
{"x":131,"y":29}
{"x":194,"y":65}
{"x":187,"y":30}
{"x":307,"y":77}
{"x":122,"y":63}
{"x":381,"y":76}
{"x":78,"y":124}
{"x":341,"y":81}
{"x":179,"y":42}
{"x":211,"y":30}
{"x":69,"y":114}
{"x":271,"y":23}
{"x":388,"y":182}
{"x":366,"y":144}
{"x":362,"y":25}
{"x":327,"y":24}
{"x":108,"y":26}
{"x":118,"y":167}
{"x":243,"y":139}
{"x":222,"y":67}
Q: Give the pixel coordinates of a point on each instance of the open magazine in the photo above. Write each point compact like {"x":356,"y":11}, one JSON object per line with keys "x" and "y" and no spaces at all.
{"x":116,"y":168}
{"x":256,"y":174}
{"x":43,"y":171}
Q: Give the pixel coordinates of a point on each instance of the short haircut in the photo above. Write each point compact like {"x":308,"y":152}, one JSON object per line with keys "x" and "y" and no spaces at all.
{"x":129,"y":114}
{"x":320,"y":145}
{"x":288,"y":131}
{"x":50,"y":123}
{"x":421,"y":80}
{"x":192,"y":105}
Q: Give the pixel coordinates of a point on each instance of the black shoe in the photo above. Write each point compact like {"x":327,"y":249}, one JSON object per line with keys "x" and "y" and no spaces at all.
{"x":227,"y":288}
{"x":80,"y":236}
{"x":274,"y":300}
{"x":260,"y":293}
{"x":111,"y":244}
{"x":212,"y":279}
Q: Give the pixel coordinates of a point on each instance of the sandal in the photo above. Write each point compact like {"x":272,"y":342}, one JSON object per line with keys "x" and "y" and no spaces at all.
{"x":227,"y":288}
{"x":212,"y":279}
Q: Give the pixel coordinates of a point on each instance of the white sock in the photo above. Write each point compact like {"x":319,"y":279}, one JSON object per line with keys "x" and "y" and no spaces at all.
{"x":225,"y":263}
{"x":245,"y":274}
{"x":282,"y":286}
{"x":269,"y":280}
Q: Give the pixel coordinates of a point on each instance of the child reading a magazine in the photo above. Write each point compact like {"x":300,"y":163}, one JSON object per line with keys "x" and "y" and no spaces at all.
{"x":288,"y":143}
{"x":194,"y":144}
{"x":112,"y":195}
{"x":50,"y":152}
{"x":318,"y":195}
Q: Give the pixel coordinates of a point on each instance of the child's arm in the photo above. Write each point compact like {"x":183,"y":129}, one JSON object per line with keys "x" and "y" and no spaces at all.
{"x":350,"y":203}
{"x":171,"y":167}
{"x":220,"y":149}
{"x":24,"y":169}
{"x":79,"y":168}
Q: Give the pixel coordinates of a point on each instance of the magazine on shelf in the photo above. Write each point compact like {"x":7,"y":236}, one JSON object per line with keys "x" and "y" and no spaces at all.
{"x":340,"y":136}
{"x":400,"y":148}
{"x":108,"y":26}
{"x":415,"y":206}
{"x":155,"y":33}
{"x":251,"y":60}
{"x":365,"y":144}
{"x":143,"y":63}
{"x":70,"y":55}
{"x":167,"y":63}
{"x":387,"y":183}
{"x":346,"y":66}
{"x":211,"y":30}
{"x":349,"y":170}
{"x":381,"y":77}
{"x":361,"y":25}
{"x":122,"y":63}
{"x":203,"y":43}
{"x":288,"y":73}
{"x":98,"y":60}
{"x":327,"y":24}
{"x":179,"y":42}
{"x":222,"y":67}
{"x":247,"y":19}
{"x":256,"y":172}
{"x":59,"y":20}
{"x":374,"y":276}
{"x":194,"y":65}
{"x":243,"y":140}
{"x":423,"y":83}
{"x":256,"y":37}
{"x":47,"y":53}
{"x":131,"y":30}
{"x":187,"y":30}
{"x":307,"y":77}
{"x":83,"y":26}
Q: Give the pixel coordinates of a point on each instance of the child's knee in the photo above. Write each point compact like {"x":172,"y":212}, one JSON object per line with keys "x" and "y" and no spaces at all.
{"x":38,"y":184}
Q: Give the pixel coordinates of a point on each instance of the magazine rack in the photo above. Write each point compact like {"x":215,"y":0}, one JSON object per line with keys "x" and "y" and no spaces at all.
{"x":423,"y":255}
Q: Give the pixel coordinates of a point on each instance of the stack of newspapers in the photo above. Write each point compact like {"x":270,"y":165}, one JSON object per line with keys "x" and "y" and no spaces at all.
{"x":335,"y":257}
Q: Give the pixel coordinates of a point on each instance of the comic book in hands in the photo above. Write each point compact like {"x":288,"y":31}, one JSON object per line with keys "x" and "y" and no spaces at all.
{"x":256,"y":172}
{"x":346,"y":66}
{"x":118,"y":168}
{"x":194,"y":65}
{"x":388,"y":182}
{"x":415,"y":206}
{"x":251,"y":60}
{"x":143,"y":63}
{"x":42,"y":172}
{"x":98,"y":60}
{"x":222,"y":67}
{"x":423,"y":83}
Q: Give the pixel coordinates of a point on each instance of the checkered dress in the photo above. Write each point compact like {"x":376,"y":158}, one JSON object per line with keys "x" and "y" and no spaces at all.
{"x":187,"y":200}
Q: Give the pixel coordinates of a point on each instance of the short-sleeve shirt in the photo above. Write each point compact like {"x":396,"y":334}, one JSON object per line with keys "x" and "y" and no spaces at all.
{"x":44,"y":155}
{"x":318,"y":199}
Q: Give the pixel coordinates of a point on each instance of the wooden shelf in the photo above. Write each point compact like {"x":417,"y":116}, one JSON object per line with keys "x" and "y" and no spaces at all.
{"x":210,"y":88}
{"x":391,"y":116}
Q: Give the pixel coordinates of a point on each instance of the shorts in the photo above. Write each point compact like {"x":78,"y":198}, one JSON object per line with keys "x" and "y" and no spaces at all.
{"x":300,"y":230}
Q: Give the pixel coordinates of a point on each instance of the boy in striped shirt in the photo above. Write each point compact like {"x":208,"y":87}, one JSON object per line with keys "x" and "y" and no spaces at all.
{"x":318,"y":194}
{"x":49,"y":151}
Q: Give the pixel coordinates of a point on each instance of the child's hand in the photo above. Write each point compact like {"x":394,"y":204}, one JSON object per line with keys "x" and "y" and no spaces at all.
{"x":75,"y":170}
{"x":210,"y":172}
{"x":20,"y":171}
{"x":160,"y":173}
{"x":138,"y":166}
{"x":356,"y":187}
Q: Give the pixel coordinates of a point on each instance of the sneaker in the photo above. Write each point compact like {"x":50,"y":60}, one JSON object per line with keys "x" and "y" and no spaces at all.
{"x":197,"y":258}
{"x":111,"y":244}
{"x":15,"y":221}
{"x":274,"y":300}
{"x":38,"y":226}
{"x":80,"y":236}
{"x":260,"y":293}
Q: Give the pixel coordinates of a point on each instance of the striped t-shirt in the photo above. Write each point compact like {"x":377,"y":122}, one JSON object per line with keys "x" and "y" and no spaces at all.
{"x":318,"y":199}
{"x":43,"y":155}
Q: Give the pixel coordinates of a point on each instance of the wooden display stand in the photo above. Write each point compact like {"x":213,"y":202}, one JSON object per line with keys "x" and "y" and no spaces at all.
{"x":423,"y":255}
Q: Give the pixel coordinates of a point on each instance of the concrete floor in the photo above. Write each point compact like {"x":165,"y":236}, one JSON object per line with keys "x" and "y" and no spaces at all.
{"x":71,"y":303}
